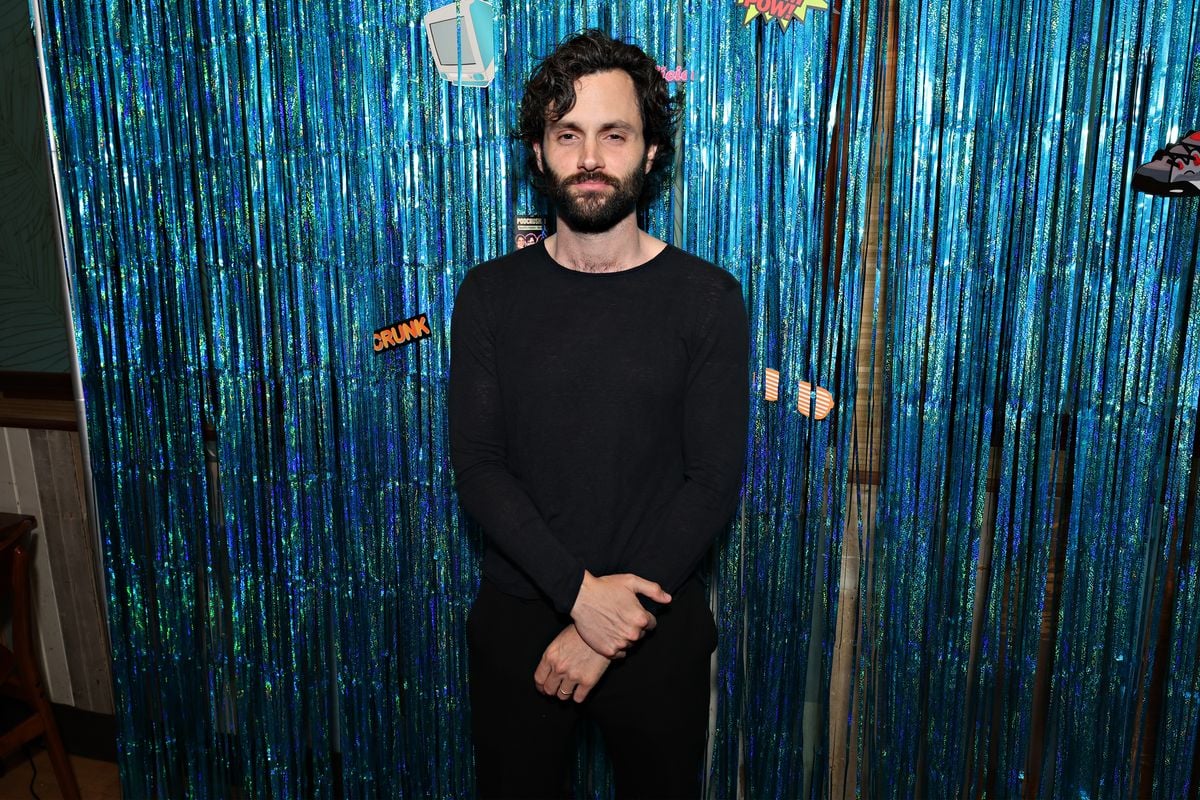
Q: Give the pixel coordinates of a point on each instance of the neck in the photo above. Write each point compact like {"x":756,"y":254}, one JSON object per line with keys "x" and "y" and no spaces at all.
{"x":622,"y":247}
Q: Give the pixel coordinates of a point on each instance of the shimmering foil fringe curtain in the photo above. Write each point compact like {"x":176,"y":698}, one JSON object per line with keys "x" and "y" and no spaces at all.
{"x":250,"y":190}
{"x":775,"y":189}
{"x":1034,"y":618}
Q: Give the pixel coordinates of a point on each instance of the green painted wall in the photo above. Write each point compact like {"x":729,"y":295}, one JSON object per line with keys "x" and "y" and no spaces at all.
{"x":33,"y":323}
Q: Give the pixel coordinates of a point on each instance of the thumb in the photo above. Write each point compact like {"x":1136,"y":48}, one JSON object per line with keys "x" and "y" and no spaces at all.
{"x":649,"y":589}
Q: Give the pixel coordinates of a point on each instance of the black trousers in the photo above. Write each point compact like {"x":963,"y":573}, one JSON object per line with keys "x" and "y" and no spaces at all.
{"x":651,"y":706}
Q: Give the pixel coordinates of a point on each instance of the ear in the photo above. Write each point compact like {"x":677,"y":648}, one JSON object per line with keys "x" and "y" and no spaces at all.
{"x":651,"y":151}
{"x":537,"y":152}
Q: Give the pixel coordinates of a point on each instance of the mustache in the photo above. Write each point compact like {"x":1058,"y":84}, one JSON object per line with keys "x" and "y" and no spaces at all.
{"x":584,"y":177}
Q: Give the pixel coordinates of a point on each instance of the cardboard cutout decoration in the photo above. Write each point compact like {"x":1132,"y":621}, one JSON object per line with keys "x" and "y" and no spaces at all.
{"x":815,"y":402}
{"x":1174,"y":171}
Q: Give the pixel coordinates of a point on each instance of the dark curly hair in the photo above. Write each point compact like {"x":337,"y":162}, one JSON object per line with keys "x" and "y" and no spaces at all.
{"x":552,"y":84}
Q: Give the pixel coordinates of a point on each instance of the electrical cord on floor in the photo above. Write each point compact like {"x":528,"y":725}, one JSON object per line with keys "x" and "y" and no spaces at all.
{"x":33,"y":795}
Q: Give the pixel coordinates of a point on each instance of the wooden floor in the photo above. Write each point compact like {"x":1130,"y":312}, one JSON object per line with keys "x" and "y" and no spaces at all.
{"x":97,"y":779}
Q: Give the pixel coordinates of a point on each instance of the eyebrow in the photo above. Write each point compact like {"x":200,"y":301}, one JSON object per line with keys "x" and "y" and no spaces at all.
{"x":607,"y":126}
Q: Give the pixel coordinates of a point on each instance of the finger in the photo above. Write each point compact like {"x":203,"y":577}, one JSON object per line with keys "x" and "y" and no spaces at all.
{"x":636,"y":628}
{"x":607,"y":650}
{"x":545,"y":679}
{"x":649,"y":589}
{"x":581,"y":692}
{"x":565,"y":692}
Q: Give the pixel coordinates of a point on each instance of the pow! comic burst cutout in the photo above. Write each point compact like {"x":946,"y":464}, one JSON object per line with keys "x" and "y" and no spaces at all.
{"x":784,"y":11}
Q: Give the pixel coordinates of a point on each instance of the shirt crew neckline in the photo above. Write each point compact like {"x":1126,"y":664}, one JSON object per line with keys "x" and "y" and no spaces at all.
{"x":549,"y":261}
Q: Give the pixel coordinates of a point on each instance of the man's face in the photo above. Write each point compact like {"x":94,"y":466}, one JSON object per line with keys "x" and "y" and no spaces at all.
{"x":595,"y":158}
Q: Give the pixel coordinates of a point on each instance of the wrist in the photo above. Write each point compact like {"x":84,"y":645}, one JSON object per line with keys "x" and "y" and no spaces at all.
{"x":585,"y":586}
{"x":574,"y":631}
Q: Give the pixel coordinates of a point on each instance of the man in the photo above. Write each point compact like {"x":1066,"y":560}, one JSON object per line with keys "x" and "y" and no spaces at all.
{"x":598,"y":412}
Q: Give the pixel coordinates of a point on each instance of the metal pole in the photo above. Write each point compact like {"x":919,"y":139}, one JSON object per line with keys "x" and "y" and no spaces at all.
{"x":66,"y":272}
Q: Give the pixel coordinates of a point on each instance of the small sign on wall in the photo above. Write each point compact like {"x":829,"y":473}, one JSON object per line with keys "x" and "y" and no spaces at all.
{"x":531,"y":229}
{"x":413,"y":329}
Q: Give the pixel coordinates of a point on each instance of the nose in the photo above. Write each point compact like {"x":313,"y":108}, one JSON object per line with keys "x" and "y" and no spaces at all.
{"x":589,"y":155}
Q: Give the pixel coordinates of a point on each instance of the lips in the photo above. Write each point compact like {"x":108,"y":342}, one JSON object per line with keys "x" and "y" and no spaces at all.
{"x":592,"y":182}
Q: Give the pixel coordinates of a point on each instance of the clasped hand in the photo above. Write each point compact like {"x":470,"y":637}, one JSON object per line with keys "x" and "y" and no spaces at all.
{"x":608,"y":619}
{"x":608,"y":615}
{"x":569,"y":668}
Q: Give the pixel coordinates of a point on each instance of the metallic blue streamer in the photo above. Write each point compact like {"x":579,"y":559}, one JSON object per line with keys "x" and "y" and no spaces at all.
{"x":250,"y":189}
{"x":1025,"y":271}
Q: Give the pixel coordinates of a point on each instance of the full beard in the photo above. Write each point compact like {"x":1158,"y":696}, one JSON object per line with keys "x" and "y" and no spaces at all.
{"x":596,"y":211}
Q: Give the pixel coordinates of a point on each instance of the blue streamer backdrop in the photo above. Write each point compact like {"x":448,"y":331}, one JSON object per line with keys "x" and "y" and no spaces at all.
{"x":251,"y":189}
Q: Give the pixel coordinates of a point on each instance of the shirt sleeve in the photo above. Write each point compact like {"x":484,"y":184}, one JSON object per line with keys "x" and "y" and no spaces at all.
{"x":716,"y":416}
{"x":487,"y":488}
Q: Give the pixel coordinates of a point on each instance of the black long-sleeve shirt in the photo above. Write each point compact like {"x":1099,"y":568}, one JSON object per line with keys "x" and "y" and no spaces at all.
{"x":597,"y":420}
